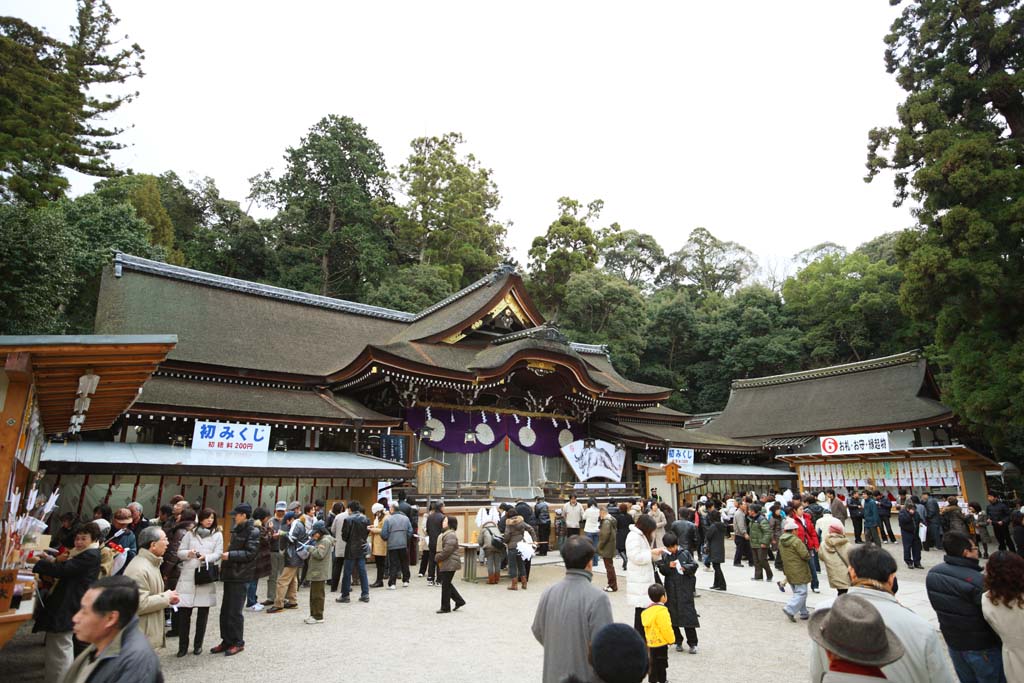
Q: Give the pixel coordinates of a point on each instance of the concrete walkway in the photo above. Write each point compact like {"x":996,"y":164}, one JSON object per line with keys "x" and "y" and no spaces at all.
{"x":911,"y":586}
{"x":398,"y":636}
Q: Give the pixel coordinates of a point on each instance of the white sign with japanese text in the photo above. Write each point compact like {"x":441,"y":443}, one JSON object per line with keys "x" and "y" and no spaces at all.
{"x":848,"y":444}
{"x":682,"y":457}
{"x":230,"y":436}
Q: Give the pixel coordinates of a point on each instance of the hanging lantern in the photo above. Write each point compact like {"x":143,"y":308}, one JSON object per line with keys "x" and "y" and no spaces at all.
{"x":470,"y":436}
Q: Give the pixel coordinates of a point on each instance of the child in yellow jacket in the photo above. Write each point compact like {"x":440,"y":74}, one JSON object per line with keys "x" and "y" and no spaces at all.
{"x":658,"y":629}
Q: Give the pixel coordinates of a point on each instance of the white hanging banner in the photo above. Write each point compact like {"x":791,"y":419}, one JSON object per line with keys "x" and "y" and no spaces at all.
{"x":847,"y":444}
{"x":602,"y":459}
{"x":222,"y":436}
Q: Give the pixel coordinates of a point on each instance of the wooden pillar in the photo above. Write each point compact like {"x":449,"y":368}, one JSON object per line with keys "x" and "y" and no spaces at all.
{"x":18,"y":367}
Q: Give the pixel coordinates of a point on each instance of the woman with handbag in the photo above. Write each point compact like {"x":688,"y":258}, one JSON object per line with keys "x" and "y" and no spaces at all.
{"x":200,"y":553}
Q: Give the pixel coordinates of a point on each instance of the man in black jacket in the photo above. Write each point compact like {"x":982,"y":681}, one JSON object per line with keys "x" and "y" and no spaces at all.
{"x":910,"y":522}
{"x":354,"y":531}
{"x":999,"y":514}
{"x":885,"y":516}
{"x":237,"y":568}
{"x":685,"y":530}
{"x":407,"y":509}
{"x":434,"y":530}
{"x":543,"y":517}
{"x":932,"y":521}
{"x":955,"y":588}
{"x":856,"y":511}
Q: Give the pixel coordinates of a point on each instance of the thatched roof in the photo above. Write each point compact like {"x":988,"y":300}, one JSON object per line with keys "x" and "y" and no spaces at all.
{"x":227,"y":323}
{"x":895,"y":391}
{"x":164,"y":392}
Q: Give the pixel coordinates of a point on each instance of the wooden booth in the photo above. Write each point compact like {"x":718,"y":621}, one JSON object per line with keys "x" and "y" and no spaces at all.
{"x":62,"y":385}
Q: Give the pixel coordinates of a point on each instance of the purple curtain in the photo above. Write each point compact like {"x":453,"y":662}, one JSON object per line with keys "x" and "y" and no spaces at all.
{"x":539,"y":436}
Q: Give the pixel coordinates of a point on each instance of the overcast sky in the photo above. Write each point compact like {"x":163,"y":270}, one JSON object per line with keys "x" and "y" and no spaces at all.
{"x":749,"y":118}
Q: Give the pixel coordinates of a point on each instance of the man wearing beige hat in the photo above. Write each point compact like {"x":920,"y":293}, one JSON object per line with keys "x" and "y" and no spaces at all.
{"x":855,"y":639}
{"x":872,"y":577}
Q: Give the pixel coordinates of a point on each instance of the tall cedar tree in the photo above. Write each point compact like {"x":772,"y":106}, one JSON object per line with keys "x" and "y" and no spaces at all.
{"x":54,"y":100}
{"x":331,"y":195}
{"x":959,"y":151}
{"x":448,"y":220}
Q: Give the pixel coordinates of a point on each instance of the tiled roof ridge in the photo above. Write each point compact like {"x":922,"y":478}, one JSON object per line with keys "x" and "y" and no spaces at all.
{"x":546,"y":331}
{"x":143,"y":265}
{"x":830,"y":371}
{"x":501,"y":271}
{"x":591,"y":349}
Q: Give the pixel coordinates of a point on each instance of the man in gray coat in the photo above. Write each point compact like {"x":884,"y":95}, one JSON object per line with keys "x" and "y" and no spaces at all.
{"x":118,"y":650}
{"x":397,"y":531}
{"x":570,"y":614}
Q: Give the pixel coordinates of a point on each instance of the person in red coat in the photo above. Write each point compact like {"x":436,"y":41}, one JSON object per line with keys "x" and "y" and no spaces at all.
{"x":806,"y":533}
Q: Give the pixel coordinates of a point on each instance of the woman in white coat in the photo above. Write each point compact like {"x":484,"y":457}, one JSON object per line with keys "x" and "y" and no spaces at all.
{"x":640,"y":559}
{"x":1003,"y":607}
{"x":200,"y":548}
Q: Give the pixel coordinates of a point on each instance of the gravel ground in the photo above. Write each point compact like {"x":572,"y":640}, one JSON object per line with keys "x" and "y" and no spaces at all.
{"x":359,"y":641}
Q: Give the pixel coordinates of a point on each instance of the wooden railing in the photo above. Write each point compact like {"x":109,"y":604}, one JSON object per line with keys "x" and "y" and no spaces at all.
{"x":586,"y":489}
{"x":468,"y":489}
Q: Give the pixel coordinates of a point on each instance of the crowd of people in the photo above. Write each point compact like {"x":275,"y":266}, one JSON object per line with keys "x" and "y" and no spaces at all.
{"x":120,"y":580}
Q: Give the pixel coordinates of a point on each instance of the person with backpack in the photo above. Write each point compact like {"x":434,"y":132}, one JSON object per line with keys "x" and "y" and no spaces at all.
{"x":490,"y":541}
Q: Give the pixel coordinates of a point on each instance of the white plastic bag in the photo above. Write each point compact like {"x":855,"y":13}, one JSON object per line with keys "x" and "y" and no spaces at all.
{"x":922,"y":531}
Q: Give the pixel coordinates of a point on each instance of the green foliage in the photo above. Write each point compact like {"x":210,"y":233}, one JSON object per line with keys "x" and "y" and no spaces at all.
{"x":634,"y":256}
{"x":183,"y":206}
{"x":448,"y":218}
{"x":570,"y":246}
{"x":671,"y":339}
{"x":36,"y":117}
{"x":51,"y":117}
{"x":330,"y":196}
{"x":605,"y":309}
{"x":412,"y":288}
{"x":708,"y":265}
{"x":881,"y":248}
{"x":847,"y":309}
{"x":745,"y":335}
{"x":819,"y":251}
{"x":959,"y":151}
{"x":52,"y":259}
{"x":143,"y":193}
{"x":98,"y":228}
{"x":38,"y":270}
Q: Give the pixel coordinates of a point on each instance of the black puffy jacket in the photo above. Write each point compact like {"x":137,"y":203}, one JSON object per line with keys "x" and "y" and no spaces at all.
{"x":909,"y":522}
{"x":622,"y":522}
{"x":524,"y":510}
{"x":541,"y":514}
{"x":954,"y":589}
{"x":715,"y":534}
{"x":354,"y":531}
{"x":434,"y":530}
{"x":998,"y":511}
{"x":242,"y":553}
{"x":686,"y":532}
